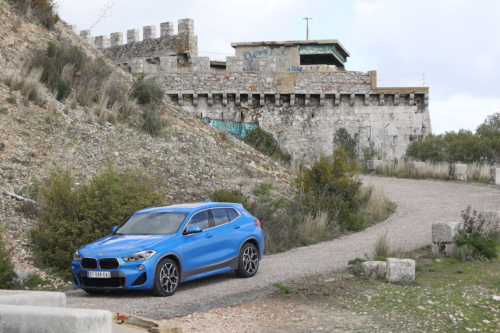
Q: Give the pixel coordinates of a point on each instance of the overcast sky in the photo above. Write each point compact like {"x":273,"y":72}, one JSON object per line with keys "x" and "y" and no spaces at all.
{"x":454,"y":42}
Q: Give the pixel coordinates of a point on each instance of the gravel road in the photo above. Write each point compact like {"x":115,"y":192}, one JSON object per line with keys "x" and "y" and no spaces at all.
{"x":419,"y":204}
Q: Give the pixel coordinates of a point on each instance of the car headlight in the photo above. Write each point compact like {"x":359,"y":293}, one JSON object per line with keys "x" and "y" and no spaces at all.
{"x":77,"y":257}
{"x":143,"y":255}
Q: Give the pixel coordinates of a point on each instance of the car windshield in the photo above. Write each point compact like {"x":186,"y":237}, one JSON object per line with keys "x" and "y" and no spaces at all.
{"x":158,"y":223}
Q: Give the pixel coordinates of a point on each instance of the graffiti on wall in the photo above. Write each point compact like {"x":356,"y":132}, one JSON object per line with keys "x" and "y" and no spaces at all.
{"x":283,"y":63}
{"x":237,"y":129}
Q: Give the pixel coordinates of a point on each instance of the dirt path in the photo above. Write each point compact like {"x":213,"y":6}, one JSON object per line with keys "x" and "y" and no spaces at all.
{"x":420,"y":203}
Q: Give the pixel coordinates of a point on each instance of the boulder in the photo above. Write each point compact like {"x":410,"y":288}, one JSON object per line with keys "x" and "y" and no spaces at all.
{"x":400,"y":270}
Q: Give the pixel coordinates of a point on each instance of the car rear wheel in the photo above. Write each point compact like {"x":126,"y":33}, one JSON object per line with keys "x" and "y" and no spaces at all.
{"x":248,"y":262}
{"x":166,"y":278}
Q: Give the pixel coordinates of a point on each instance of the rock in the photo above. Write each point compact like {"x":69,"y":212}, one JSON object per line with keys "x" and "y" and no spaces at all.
{"x":496,"y":298}
{"x":400,"y":270}
{"x":374,"y":268}
{"x":23,"y":277}
{"x":443,"y":237}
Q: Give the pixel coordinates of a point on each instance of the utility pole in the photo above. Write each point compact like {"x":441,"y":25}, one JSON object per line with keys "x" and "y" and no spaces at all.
{"x":307,"y":31}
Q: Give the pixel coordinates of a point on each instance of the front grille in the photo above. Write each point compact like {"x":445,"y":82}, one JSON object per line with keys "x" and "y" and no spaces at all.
{"x":109,"y":263}
{"x":114,"y":282}
{"x":89,"y":263}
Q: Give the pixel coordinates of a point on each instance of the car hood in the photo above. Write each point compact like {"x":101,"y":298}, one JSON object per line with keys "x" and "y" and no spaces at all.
{"x":123,"y":244}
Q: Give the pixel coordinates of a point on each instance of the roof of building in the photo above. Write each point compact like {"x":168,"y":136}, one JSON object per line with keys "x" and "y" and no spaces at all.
{"x":294,"y":43}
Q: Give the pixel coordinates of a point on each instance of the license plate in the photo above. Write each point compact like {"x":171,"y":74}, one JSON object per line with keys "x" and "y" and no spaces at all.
{"x":99,"y":274}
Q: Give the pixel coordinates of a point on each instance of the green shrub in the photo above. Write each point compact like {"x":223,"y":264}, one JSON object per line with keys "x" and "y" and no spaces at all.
{"x":72,"y":217}
{"x":152,"y":123}
{"x":330,"y":186}
{"x":283,"y":288}
{"x":355,"y":266}
{"x":379,"y":258}
{"x":11,"y":100}
{"x":234,"y":196}
{"x":146,"y":92}
{"x":265,"y":143}
{"x":36,"y":280}
{"x":7,"y":274}
{"x":343,"y":140}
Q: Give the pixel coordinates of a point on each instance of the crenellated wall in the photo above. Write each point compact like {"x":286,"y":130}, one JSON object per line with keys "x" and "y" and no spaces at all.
{"x":303,"y":110}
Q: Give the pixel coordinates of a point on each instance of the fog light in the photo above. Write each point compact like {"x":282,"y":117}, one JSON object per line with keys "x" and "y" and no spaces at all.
{"x":141,"y":267}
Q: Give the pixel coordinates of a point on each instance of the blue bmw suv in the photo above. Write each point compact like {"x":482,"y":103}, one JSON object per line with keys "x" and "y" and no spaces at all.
{"x":157,"y":248}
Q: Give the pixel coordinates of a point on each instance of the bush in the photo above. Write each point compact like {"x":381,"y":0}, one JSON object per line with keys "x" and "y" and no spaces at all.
{"x":265,"y":143}
{"x":7,"y":274}
{"x":329,"y":186}
{"x":146,"y":92}
{"x":472,"y":242}
{"x":41,"y":10}
{"x":72,"y":217}
{"x":11,"y":100}
{"x":152,"y":123}
{"x":234,"y":196}
{"x":343,"y":140}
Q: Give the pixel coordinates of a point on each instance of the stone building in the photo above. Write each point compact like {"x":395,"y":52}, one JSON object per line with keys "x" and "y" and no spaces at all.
{"x":299,"y":91}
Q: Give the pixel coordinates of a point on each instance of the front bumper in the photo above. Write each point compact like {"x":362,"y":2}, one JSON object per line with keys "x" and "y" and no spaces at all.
{"x":127,"y":277}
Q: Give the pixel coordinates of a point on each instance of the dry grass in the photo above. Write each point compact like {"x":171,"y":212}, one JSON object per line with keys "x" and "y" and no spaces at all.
{"x":401,"y":168}
{"x":51,"y":112}
{"x":27,"y":82}
{"x":317,"y":228}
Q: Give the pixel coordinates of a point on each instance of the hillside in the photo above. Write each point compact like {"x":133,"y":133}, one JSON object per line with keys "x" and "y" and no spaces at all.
{"x":189,"y":160}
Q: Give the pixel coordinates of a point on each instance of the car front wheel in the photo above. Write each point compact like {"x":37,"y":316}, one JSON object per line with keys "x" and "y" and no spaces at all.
{"x":248,"y":262}
{"x":166,"y":278}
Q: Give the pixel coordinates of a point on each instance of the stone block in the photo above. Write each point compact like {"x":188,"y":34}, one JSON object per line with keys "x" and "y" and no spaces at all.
{"x":149,"y":32}
{"x":443,"y":249}
{"x":117,"y":39}
{"x":167,"y":29}
{"x":495,"y":176}
{"x":102,"y":42}
{"x":458,"y":172}
{"x":374,"y":165}
{"x":374,"y":268}
{"x":444,"y":231}
{"x":48,"y":320}
{"x":136,"y":66}
{"x":417,"y":169}
{"x":185,"y":27}
{"x":74,"y":29}
{"x":492,"y":218}
{"x":400,"y":270}
{"x":132,"y":36}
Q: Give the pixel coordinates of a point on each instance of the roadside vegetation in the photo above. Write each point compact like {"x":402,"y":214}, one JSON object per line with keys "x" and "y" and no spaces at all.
{"x":7,"y":274}
{"x":329,"y":201}
{"x":40,"y":11}
{"x":70,"y":215}
{"x":265,"y":143}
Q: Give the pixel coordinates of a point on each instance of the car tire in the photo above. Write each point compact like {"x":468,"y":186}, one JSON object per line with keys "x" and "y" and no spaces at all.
{"x":248,"y":261}
{"x":94,"y":292}
{"x":167,"y":278}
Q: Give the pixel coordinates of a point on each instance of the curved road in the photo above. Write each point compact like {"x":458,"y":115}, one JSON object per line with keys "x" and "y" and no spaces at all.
{"x":420,"y":203}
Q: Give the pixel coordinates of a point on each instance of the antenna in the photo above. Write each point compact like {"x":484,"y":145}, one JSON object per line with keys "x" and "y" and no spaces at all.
{"x":307,"y":31}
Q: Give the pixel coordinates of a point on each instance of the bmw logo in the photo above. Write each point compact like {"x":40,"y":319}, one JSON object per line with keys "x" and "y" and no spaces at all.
{"x":100,"y":254}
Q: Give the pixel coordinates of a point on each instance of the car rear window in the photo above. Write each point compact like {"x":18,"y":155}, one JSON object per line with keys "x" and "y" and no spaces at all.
{"x":232,"y":214}
{"x":220,"y":216}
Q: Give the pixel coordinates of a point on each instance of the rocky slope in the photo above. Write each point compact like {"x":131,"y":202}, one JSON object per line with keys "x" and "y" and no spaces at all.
{"x":189,"y":160}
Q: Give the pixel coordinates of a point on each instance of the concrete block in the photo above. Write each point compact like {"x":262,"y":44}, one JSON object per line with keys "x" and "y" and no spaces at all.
{"x":458,"y":172}
{"x":27,"y":319}
{"x":149,"y":32}
{"x":417,"y":169}
{"x":32,"y":298}
{"x":116,"y":39}
{"x":495,"y":176}
{"x":444,"y":231}
{"x":374,"y":165}
{"x":185,"y":27}
{"x":443,"y":249}
{"x":400,"y":270}
{"x":374,"y":268}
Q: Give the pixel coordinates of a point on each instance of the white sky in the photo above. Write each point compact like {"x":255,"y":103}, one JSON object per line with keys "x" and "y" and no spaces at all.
{"x":454,"y":42}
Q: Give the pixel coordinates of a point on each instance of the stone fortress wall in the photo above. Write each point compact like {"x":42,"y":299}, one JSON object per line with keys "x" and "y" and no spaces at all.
{"x":302,"y":106}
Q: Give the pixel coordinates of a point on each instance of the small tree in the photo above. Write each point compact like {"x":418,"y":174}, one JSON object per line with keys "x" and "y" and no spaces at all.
{"x":7,"y":274}
{"x":343,"y":140}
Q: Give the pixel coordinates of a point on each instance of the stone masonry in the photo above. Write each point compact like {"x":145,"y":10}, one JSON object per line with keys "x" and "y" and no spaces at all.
{"x":302,"y":106}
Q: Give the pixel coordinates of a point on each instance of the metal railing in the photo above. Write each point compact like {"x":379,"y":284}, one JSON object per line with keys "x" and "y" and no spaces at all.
{"x":400,"y":80}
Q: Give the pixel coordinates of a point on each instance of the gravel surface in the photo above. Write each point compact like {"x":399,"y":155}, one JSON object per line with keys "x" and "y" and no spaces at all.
{"x":420,"y":203}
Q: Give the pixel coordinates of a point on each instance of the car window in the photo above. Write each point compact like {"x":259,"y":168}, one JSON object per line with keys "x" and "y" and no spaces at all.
{"x":232,"y":214}
{"x":220,"y":216}
{"x":201,"y":219}
{"x":152,"y":223}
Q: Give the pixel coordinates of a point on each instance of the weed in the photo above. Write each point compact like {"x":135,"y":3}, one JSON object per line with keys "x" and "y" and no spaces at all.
{"x":152,"y":123}
{"x":266,"y":144}
{"x":355,"y":267}
{"x":283,"y":288}
{"x":382,"y":246}
{"x":7,"y":274}
{"x":11,"y":100}
{"x":35,"y":281}
{"x":146,"y":92}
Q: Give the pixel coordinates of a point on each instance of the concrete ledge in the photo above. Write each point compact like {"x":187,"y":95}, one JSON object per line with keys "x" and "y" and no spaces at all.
{"x":32,"y":298}
{"x":28,"y":319}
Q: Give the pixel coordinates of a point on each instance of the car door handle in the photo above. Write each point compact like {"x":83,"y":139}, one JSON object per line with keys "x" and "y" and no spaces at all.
{"x":208,"y":235}
{"x":237,"y":227}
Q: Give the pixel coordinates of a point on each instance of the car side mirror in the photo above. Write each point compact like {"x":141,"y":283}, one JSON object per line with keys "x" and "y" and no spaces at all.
{"x":193,"y":229}
{"x":113,"y":229}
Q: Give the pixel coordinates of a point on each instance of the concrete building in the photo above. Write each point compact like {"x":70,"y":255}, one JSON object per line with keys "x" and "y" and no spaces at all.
{"x":300,"y":91}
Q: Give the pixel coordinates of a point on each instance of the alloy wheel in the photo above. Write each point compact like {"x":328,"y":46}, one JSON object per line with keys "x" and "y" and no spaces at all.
{"x":169,"y":277}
